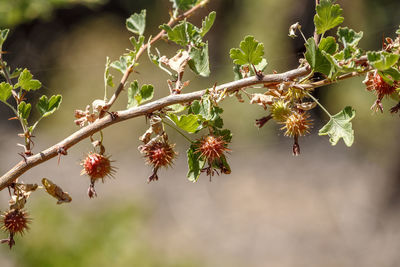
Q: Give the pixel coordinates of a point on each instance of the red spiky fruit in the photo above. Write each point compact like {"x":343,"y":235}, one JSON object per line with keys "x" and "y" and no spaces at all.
{"x":15,"y":221}
{"x":97,"y":166}
{"x":212,"y":147}
{"x":159,"y":154}
{"x":375,"y":83}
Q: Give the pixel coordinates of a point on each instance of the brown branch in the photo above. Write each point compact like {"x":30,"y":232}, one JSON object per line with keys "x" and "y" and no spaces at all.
{"x":143,"y":48}
{"x":83,"y":133}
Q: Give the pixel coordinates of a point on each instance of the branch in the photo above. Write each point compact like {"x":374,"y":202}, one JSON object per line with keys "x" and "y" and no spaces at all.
{"x":143,"y":48}
{"x":34,"y":160}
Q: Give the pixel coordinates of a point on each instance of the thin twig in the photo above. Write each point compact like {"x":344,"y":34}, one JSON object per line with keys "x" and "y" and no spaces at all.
{"x":143,"y":48}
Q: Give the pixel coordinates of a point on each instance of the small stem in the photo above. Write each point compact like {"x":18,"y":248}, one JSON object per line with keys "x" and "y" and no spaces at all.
{"x":176,"y":129}
{"x":316,"y":36}
{"x":319,"y":104}
{"x":143,"y":48}
{"x":302,"y":34}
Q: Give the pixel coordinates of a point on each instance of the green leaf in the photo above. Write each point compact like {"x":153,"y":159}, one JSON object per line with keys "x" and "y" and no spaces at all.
{"x":195,"y":163}
{"x":108,"y":78}
{"x":176,"y":108}
{"x":137,"y":43}
{"x":136,"y":96}
{"x":188,"y":123}
{"x":199,"y":61}
{"x":183,"y":4}
{"x":251,"y":52}
{"x":183,"y":34}
{"x":339,"y":126}
{"x":136,"y":23}
{"x":236,"y":72}
{"x":24,"y":110}
{"x":207,"y":23}
{"x":3,"y":37}
{"x":26,"y":82}
{"x":382,"y":60}
{"x":123,"y":63}
{"x":5,"y":91}
{"x":349,"y":37}
{"x":328,"y":16}
{"x":46,"y":106}
{"x":15,"y":73}
{"x":398,"y":31}
{"x":328,"y":45}
{"x":318,"y":62}
{"x":394,"y":75}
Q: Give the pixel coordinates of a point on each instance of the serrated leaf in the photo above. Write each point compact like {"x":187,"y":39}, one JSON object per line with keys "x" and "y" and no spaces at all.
{"x":328,"y":45}
{"x":394,"y":74}
{"x":251,"y":52}
{"x":398,"y":31}
{"x":349,"y":37}
{"x":120,"y":65}
{"x":327,"y":16}
{"x":199,"y":61}
{"x":136,"y":23}
{"x":26,"y":82}
{"x":176,"y":108}
{"x":24,"y":110}
{"x":137,"y":43}
{"x":183,"y":4}
{"x":5,"y":91}
{"x":46,"y":106}
{"x":382,"y":60}
{"x":183,"y":34}
{"x":318,"y":62}
{"x":15,"y":73}
{"x":189,"y":123}
{"x":195,"y":163}
{"x":207,"y":23}
{"x":3,"y":37}
{"x":340,"y":126}
{"x":136,"y":96}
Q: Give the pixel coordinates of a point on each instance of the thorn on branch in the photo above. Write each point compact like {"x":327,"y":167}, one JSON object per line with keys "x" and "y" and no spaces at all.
{"x":259,"y":73}
{"x":61,"y":151}
{"x":113,"y":115}
{"x":24,"y":157}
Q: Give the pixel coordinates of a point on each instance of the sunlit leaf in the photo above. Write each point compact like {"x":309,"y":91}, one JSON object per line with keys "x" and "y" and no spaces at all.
{"x":340,"y":126}
{"x":136,"y":23}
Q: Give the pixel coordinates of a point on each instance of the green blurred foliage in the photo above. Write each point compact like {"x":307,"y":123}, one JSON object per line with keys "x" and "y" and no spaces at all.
{"x":14,"y":12}
{"x":113,"y":235}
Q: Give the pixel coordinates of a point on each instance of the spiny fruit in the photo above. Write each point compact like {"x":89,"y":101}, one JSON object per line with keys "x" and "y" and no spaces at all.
{"x":15,"y":221}
{"x":159,"y":153}
{"x":97,"y":166}
{"x":297,"y":124}
{"x":280,"y":110}
{"x":212,"y":147}
{"x":375,"y":82}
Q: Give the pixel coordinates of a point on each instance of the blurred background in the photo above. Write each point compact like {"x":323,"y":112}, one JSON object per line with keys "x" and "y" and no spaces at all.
{"x":331,"y":206}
